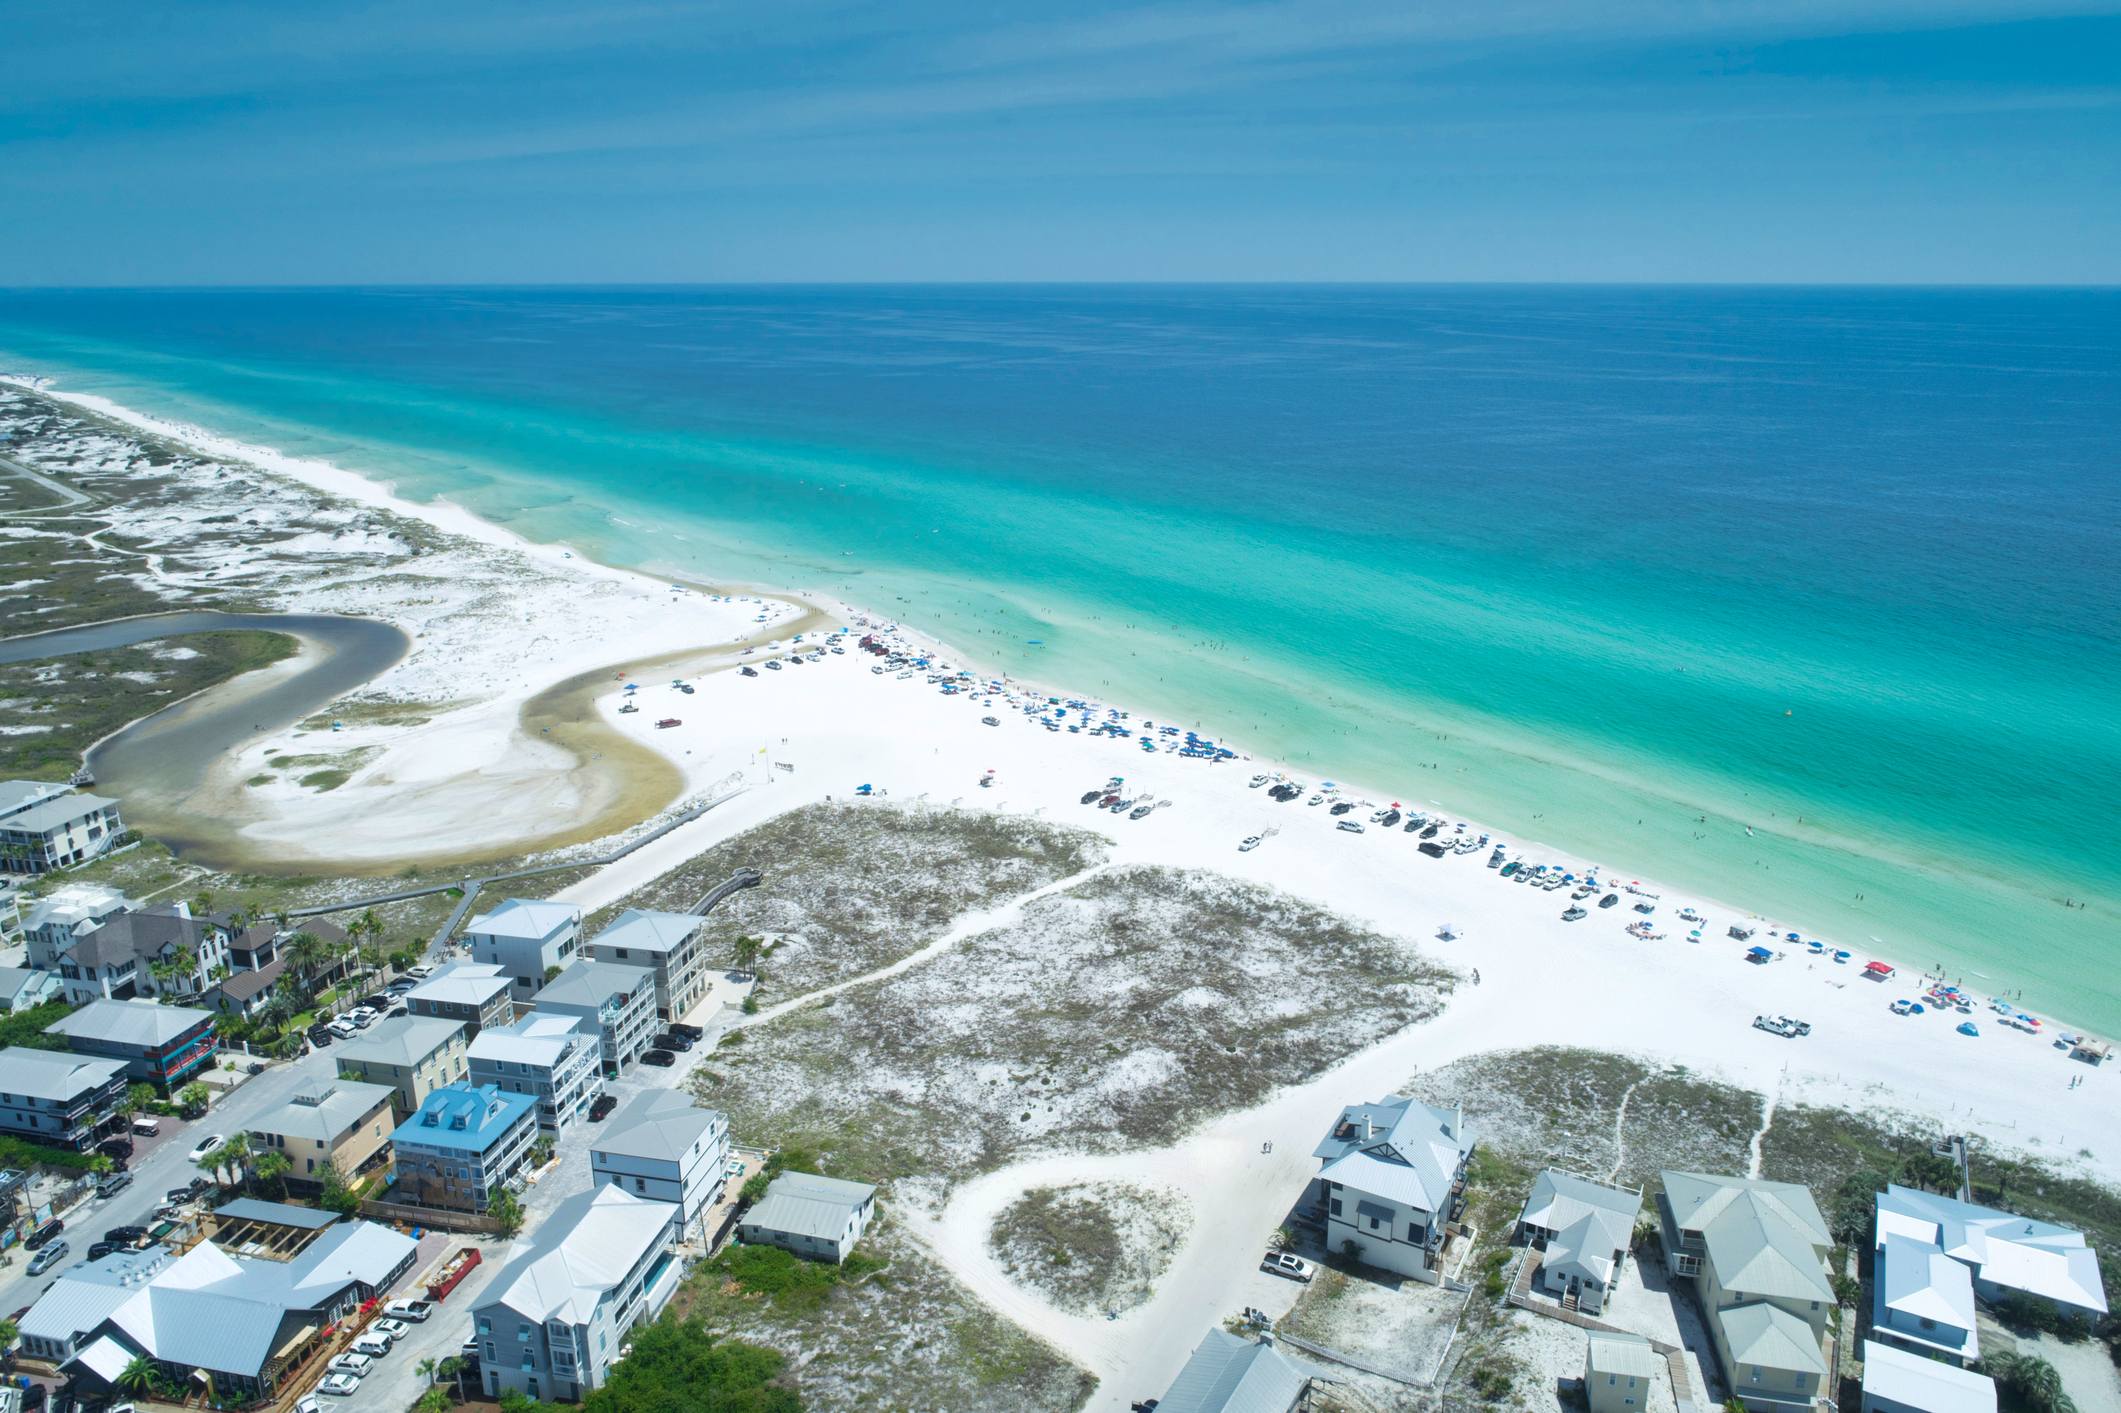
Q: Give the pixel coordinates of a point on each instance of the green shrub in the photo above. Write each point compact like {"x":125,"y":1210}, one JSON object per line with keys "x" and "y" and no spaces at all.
{"x":681,"y":1366}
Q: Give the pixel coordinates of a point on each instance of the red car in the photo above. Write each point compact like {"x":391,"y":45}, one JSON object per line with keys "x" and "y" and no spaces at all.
{"x":667,"y":722}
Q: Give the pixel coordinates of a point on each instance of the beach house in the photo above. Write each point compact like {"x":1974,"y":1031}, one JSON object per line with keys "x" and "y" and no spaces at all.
{"x":157,"y":951}
{"x":620,"y":999}
{"x":526,"y":939}
{"x":478,"y":994}
{"x":664,"y":1147}
{"x":555,"y":1058}
{"x":65,"y":915}
{"x":668,"y":945}
{"x":461,"y":1145}
{"x":1895,"y":1381}
{"x":1391,"y":1181}
{"x":44,"y":826}
{"x":415,"y":1055}
{"x":241,"y":995}
{"x":1583,"y":1228}
{"x":341,"y":1122}
{"x":1756,"y":1252}
{"x":162,"y":1045}
{"x":818,"y":1217}
{"x":1230,"y":1374}
{"x":24,"y":990}
{"x":58,"y":1099}
{"x":1618,"y":1371}
{"x":2005,"y":1255}
{"x":552,"y":1323}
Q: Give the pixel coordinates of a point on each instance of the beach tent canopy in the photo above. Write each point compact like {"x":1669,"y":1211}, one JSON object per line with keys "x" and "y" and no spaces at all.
{"x":1758,"y":952}
{"x":1879,"y":967}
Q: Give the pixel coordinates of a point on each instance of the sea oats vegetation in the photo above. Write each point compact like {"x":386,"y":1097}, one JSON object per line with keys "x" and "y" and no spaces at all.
{"x":903,"y":1336}
{"x":851,"y":888}
{"x":1091,"y":1247}
{"x":1115,"y":1014}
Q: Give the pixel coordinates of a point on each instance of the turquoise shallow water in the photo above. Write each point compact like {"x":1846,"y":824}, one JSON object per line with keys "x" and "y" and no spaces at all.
{"x":1626,"y":570}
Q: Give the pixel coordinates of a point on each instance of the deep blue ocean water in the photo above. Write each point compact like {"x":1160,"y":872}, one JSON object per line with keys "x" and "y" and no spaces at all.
{"x":1623,"y":569}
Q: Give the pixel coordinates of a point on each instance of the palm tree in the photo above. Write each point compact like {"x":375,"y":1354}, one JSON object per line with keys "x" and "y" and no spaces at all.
{"x":453,"y":1369}
{"x":137,"y":1376}
{"x":746,"y":951}
{"x":272,"y":1163}
{"x":427,"y":1368}
{"x":136,"y":1098}
{"x":306,"y":952}
{"x":238,"y":1155}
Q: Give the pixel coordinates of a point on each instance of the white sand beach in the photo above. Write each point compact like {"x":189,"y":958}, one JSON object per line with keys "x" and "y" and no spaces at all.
{"x":826,"y":728}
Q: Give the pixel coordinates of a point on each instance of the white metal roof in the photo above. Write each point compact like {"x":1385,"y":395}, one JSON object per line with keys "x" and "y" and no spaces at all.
{"x":2016,"y":1252}
{"x":400,"y":1040}
{"x":53,"y":1074}
{"x":541,"y":1040}
{"x":805,"y":1204}
{"x":638,"y":928}
{"x":662,"y":1124}
{"x":527,"y":918}
{"x":329,"y":1110}
{"x":586,"y":1247}
{"x":1912,"y":1381}
{"x":142,"y":1023}
{"x":1624,"y":1354}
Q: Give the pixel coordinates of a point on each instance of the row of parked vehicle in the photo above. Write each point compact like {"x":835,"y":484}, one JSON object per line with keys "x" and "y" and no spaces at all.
{"x":344,"y":1374}
{"x":388,"y":1002}
{"x":666,"y":1048}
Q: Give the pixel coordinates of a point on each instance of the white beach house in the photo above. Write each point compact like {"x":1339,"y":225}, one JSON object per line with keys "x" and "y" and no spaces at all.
{"x":555,"y":1058}
{"x":44,"y":826}
{"x":619,"y":998}
{"x":2004,"y":1254}
{"x":1583,"y":1227}
{"x":526,"y":939}
{"x":818,"y":1217}
{"x":1756,"y":1252}
{"x":669,"y":945}
{"x":1391,"y":1181}
{"x":553,"y":1321}
{"x":664,"y":1147}
{"x":1895,"y":1381}
{"x":1230,"y":1374}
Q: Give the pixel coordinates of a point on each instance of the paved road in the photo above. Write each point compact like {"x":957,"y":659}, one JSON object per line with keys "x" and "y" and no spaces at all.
{"x":395,"y":1383}
{"x":69,"y":496}
{"x":164,"y":1167}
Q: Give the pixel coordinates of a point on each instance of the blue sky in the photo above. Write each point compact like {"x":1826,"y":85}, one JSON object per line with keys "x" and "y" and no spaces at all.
{"x":428,"y":141}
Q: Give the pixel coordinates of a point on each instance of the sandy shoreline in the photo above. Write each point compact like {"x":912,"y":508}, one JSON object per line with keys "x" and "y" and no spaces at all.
{"x":626,"y":771}
{"x":541,"y":751}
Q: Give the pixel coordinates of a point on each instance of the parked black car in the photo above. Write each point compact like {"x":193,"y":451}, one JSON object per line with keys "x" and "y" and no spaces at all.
{"x":661,"y":1059}
{"x":102,"y":1249}
{"x":604,"y":1105}
{"x":672,"y":1042}
{"x":43,"y":1235}
{"x":690,"y":1032}
{"x":128,"y":1235}
{"x":320,"y":1036}
{"x":116,"y":1147}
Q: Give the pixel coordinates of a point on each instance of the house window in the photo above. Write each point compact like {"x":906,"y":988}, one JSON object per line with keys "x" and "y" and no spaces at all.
{"x":1373,"y":1224}
{"x":1929,"y":1324}
{"x":1631,"y":1381}
{"x":1336,"y":1206}
{"x":486,"y":1327}
{"x":523,"y":1332}
{"x":1815,"y":1305}
{"x":1756,"y":1373}
{"x":1800,"y":1382}
{"x":641,"y":1185}
{"x":1611,"y":1380}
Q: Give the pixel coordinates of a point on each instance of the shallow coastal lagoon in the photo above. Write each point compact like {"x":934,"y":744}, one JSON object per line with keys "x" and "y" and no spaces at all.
{"x":1803,"y":599}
